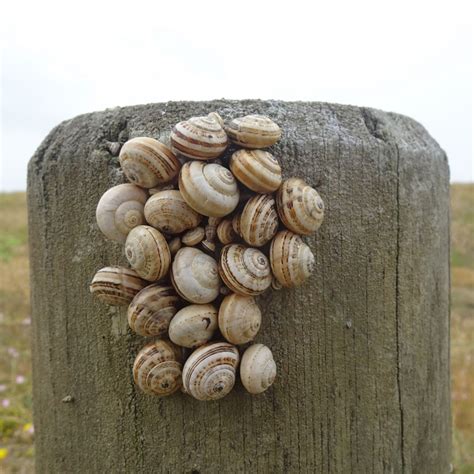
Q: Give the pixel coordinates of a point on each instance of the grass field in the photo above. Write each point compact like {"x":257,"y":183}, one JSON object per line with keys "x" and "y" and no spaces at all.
{"x":16,"y":428}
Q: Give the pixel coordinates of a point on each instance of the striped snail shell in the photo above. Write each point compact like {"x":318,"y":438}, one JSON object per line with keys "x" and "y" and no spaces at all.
{"x":148,"y":253}
{"x":211,"y":228}
{"x":193,"y":325}
{"x":259,"y":220}
{"x":257,"y":169}
{"x":300,"y":207}
{"x":257,"y":369}
{"x":116,"y":286}
{"x":291,"y":259}
{"x":236,"y":225}
{"x":174,"y":245}
{"x":239,"y":318}
{"x":253,"y":131}
{"x":226,"y":233}
{"x":150,"y":312}
{"x":209,"y":188}
{"x":200,"y":138}
{"x":168,"y":212}
{"x":193,"y":236}
{"x":244,"y":270}
{"x":209,"y":247}
{"x":146,"y":162}
{"x":120,"y":209}
{"x":209,"y":372}
{"x":195,"y":276}
{"x":158,"y":368}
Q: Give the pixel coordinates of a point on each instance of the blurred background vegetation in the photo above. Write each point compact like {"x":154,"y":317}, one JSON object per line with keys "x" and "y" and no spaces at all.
{"x":16,"y":425}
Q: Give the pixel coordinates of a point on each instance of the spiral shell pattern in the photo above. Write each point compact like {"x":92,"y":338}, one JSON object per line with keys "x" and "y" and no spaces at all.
{"x":193,"y":236}
{"x":226,"y":233}
{"x":253,"y":131}
{"x":257,"y":369}
{"x":259,"y":220}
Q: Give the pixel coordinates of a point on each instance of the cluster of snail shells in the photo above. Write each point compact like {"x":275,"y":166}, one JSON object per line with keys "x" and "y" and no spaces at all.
{"x":204,"y":235}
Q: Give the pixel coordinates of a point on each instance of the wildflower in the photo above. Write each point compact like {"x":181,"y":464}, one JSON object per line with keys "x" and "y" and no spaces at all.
{"x":5,"y":403}
{"x":13,"y":352}
{"x":29,"y":428}
{"x":20,"y":379}
{"x":3,"y":387}
{"x":3,"y":453}
{"x":26,"y":322}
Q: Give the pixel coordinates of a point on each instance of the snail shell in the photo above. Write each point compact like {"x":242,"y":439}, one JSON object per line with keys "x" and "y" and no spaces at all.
{"x":257,"y":369}
{"x":116,"y":286}
{"x":150,"y":312}
{"x":259,"y":220}
{"x":200,"y":138}
{"x":209,"y":372}
{"x":148,"y":253}
{"x":168,"y":212}
{"x":193,"y":325}
{"x":211,"y":228}
{"x":157,"y":368}
{"x":300,"y":207}
{"x":291,"y":259}
{"x":208,"y":247}
{"x":245,"y":271}
{"x":195,"y":276}
{"x":239,"y":318}
{"x":236,"y":225}
{"x":226,"y":233}
{"x":208,"y":188}
{"x":257,"y":169}
{"x":174,"y":245}
{"x":120,"y":209}
{"x":253,"y":131}
{"x":193,"y":236}
{"x":146,"y":162}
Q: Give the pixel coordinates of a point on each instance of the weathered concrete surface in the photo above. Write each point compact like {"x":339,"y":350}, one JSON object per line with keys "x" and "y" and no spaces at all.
{"x":362,"y":350}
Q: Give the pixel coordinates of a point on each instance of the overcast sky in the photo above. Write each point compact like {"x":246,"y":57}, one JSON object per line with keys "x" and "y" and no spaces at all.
{"x":60,"y":59}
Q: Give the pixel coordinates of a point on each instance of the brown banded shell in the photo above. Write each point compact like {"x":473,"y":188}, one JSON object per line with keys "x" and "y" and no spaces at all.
{"x":119,"y":210}
{"x":146,"y":162}
{"x":193,"y":236}
{"x":300,"y":207}
{"x":157,"y":369}
{"x":152,"y":309}
{"x":239,"y":318}
{"x":244,"y":270}
{"x":116,"y":286}
{"x":209,"y":188}
{"x":236,"y":225}
{"x":257,"y":369}
{"x":259,"y":220}
{"x":211,"y":228}
{"x":208,"y":247}
{"x":195,"y":276}
{"x":168,"y":212}
{"x":209,"y":373}
{"x":193,"y":325}
{"x":174,"y":245}
{"x":148,"y":253}
{"x":253,"y":131}
{"x":200,"y":138}
{"x":226,"y":233}
{"x":291,"y":259}
{"x":257,"y":169}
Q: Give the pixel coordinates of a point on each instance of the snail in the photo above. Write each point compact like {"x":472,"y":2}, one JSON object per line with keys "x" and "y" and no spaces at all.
{"x":174,"y":245}
{"x":226,"y":233}
{"x":291,"y":259}
{"x":151,"y":310}
{"x":195,"y":276}
{"x":208,"y":247}
{"x":211,"y":228}
{"x":245,"y":271}
{"x":257,"y":369}
{"x":146,"y":162}
{"x":209,"y":372}
{"x":299,"y":206}
{"x":148,"y":253}
{"x":253,"y":131}
{"x":168,"y":212}
{"x":157,"y":369}
{"x":116,"y":286}
{"x":236,"y":225}
{"x":193,"y":236}
{"x":200,"y":138}
{"x":259,"y":220}
{"x":120,"y":209}
{"x":209,"y":188}
{"x":193,"y":325}
{"x":239,"y":318}
{"x":257,"y":169}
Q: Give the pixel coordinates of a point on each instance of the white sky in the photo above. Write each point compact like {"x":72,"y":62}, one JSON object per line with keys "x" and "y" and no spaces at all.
{"x":60,"y":59}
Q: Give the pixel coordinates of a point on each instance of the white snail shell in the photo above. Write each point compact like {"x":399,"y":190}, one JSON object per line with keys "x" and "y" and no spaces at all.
{"x":209,"y":372}
{"x":300,"y":207}
{"x":152,"y":309}
{"x":291,"y":259}
{"x":245,"y":271}
{"x":116,"y":286}
{"x":120,"y":209}
{"x":253,"y":131}
{"x":147,"y":162}
{"x":148,"y":253}
{"x":193,"y":236}
{"x":257,"y":369}
{"x":239,"y":318}
{"x":193,"y":325}
{"x":257,"y":169}
{"x":259,"y":220}
{"x":158,"y":368}
{"x":226,"y":233}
